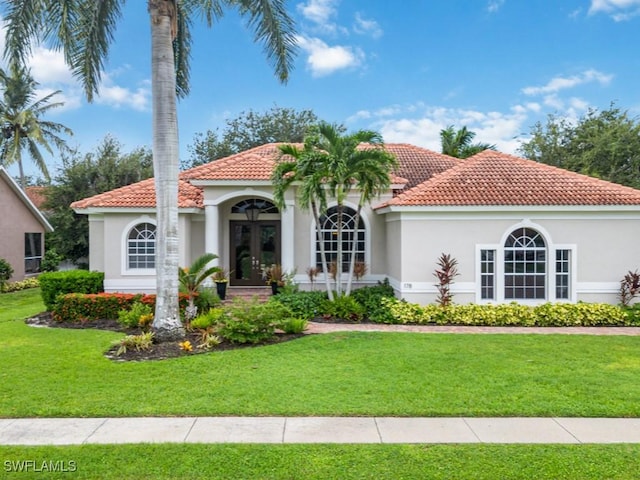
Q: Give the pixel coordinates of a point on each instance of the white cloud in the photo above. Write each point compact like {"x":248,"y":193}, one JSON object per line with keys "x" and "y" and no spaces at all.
{"x":423,"y":129}
{"x":561,"y":83}
{"x":318,"y":11}
{"x":619,"y":10}
{"x":324,"y":59}
{"x":494,"y":5}
{"x":117,"y":96}
{"x":367,"y":27}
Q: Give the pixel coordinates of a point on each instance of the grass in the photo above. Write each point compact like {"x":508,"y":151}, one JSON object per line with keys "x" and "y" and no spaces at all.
{"x":490,"y":462}
{"x":62,"y":372}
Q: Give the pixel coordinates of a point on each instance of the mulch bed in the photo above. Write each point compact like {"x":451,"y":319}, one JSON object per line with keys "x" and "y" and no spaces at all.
{"x":159,"y":351}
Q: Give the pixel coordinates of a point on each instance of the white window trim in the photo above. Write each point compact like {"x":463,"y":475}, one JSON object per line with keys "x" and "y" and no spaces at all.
{"x":124,"y":258}
{"x":550,"y":284}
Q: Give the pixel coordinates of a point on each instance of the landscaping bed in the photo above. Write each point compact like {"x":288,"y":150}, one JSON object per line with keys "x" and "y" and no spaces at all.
{"x":158,"y":351}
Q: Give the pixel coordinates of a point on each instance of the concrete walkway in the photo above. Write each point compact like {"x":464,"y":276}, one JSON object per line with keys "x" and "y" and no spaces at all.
{"x":77,"y":431}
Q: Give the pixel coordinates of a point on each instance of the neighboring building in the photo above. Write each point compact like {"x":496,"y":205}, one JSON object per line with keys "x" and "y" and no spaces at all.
{"x":520,"y":230}
{"x":22,"y":229}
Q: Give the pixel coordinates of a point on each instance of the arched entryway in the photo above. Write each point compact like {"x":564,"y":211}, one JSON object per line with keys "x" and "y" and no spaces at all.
{"x":254,"y":242}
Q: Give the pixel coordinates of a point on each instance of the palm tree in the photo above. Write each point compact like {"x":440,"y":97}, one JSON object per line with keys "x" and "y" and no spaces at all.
{"x":84,"y":29}
{"x":458,"y":143}
{"x":306,"y":169}
{"x":332,"y":163}
{"x":22,"y":124}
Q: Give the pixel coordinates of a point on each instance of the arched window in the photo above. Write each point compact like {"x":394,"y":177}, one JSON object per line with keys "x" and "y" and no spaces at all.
{"x":329,"y":235}
{"x":264,"y":206}
{"x":141,"y":247}
{"x":525,"y":265}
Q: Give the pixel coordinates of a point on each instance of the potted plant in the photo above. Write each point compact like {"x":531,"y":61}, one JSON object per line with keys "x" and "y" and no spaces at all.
{"x":221,"y":279}
{"x":275,"y":277}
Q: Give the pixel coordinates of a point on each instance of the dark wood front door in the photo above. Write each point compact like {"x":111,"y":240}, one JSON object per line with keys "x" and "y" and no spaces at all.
{"x":254,"y":246}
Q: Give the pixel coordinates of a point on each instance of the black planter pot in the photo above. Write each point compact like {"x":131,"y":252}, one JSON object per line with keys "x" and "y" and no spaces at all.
{"x":221,"y":288}
{"x":274,"y":288}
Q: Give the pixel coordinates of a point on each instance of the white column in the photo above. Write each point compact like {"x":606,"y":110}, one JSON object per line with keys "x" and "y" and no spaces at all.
{"x":212,"y":231}
{"x":287,"y":241}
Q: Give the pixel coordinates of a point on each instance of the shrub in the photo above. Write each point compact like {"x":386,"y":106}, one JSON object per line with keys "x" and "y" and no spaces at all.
{"x":206,"y":298}
{"x":248,"y":321}
{"x":206,"y":320}
{"x":21,"y":285}
{"x":6,"y":270}
{"x":447,"y":271}
{"x":370,"y":298}
{"x":209,"y":341}
{"x":344,"y":307}
{"x":303,"y":304}
{"x":51,"y":261}
{"x":142,"y":342}
{"x":294,"y":325}
{"x":579,"y":314}
{"x":633,"y":314}
{"x":131,"y":318}
{"x":629,"y":287}
{"x":77,"y":307}
{"x":54,"y":284}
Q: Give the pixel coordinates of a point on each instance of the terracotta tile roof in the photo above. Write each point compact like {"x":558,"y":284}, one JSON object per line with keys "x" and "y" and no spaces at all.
{"x":253,"y":164}
{"x":37,"y":195}
{"x":141,"y":194}
{"x":494,"y":178}
{"x":419,"y":164}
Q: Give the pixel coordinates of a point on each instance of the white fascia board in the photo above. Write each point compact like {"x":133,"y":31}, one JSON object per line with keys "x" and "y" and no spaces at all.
{"x":605,"y":211}
{"x":230,"y":183}
{"x":25,"y":199}
{"x":103,"y":210}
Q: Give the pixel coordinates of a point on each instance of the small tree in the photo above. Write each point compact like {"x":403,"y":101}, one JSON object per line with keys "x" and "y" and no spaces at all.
{"x":192,"y":278}
{"x":6,"y":270}
{"x":445,"y":273}
{"x":629,"y":287}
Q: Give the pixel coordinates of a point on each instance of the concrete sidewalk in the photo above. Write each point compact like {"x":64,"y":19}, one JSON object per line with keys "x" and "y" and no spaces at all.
{"x":76,"y":431}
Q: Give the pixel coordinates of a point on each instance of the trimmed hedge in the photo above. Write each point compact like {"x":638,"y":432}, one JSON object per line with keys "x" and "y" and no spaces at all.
{"x":396,"y":311}
{"x":79,"y":308}
{"x":55,"y":284}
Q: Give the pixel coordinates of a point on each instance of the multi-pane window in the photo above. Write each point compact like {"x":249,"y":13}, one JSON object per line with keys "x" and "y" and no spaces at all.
{"x":329,"y":234}
{"x":32,"y":252}
{"x":525,"y":265}
{"x":141,"y":246}
{"x":563,"y":262}
{"x":488,"y":274}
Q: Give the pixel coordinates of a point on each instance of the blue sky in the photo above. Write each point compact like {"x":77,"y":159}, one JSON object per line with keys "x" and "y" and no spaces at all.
{"x":406,"y":69}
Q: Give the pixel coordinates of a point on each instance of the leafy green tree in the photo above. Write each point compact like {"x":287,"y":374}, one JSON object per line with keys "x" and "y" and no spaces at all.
{"x":603,"y":144}
{"x":83,"y":176}
{"x":333,"y":162}
{"x":251,"y":129}
{"x":22,"y":123}
{"x":457,"y":143}
{"x":85,"y":28}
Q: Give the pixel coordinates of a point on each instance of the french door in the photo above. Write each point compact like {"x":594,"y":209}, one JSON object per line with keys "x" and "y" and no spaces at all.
{"x":254,"y":246}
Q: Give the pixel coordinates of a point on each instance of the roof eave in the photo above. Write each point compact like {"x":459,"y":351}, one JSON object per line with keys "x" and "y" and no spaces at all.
{"x":383,"y":209}
{"x":27,"y":201}
{"x":152,"y":210}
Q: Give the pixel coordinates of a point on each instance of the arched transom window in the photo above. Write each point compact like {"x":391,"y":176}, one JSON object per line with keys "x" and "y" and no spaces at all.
{"x":525,"y":265}
{"x":264,"y":206}
{"x":329,"y":235}
{"x":141,"y":246}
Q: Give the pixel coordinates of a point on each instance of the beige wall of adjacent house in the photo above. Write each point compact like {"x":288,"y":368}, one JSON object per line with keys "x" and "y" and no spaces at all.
{"x":605,"y":248}
{"x":15,"y":220}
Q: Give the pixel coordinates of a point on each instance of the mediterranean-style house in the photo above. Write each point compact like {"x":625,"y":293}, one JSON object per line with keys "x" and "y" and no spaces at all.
{"x":22,"y":229}
{"x":520,"y":230}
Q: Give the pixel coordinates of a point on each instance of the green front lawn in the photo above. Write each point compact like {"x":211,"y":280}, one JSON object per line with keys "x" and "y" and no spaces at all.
{"x":62,"y":372}
{"x":344,"y":462}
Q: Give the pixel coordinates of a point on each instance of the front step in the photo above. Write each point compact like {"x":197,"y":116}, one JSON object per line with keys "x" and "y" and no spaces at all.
{"x":263,"y":293}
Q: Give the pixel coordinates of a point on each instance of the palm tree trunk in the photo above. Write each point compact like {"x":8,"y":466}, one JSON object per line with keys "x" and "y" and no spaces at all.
{"x":354,"y":249}
{"x":339,"y":252}
{"x":166,"y":324}
{"x":323,"y":255}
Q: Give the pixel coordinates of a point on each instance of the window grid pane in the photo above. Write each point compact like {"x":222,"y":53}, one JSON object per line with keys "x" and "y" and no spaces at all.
{"x":328,"y":231}
{"x":525,"y":266}
{"x":141,"y":246}
{"x":32,"y":252}
{"x":487,"y":274}
{"x":563,"y":258}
